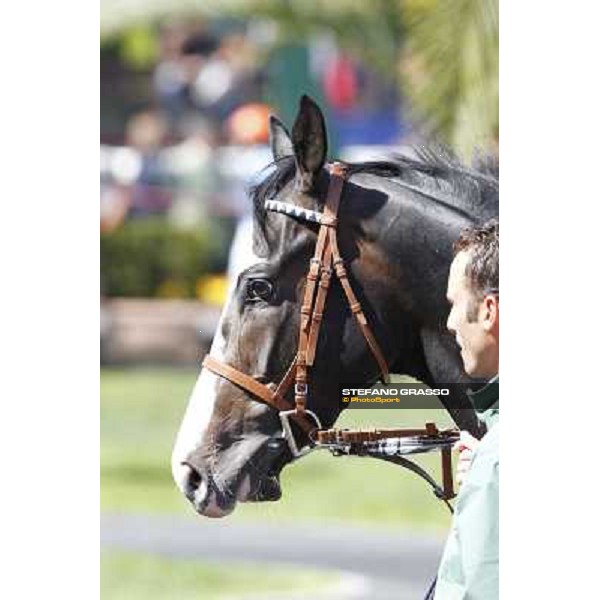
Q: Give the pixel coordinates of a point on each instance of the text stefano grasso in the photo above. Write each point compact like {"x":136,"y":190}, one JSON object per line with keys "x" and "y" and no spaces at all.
{"x":396,"y":391}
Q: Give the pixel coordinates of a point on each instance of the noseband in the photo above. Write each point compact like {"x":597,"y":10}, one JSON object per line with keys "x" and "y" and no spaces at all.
{"x":325,"y":262}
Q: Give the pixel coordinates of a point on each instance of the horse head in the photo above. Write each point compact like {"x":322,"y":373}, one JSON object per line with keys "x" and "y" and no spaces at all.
{"x":233,"y":442}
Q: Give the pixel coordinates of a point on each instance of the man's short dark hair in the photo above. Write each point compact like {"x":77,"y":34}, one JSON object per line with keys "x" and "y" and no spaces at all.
{"x":482,"y":270}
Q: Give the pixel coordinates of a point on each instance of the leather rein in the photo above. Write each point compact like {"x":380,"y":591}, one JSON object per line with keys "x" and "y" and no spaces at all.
{"x":325,"y":262}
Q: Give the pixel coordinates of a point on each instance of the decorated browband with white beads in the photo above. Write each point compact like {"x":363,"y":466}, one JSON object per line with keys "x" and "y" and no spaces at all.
{"x":299,"y":212}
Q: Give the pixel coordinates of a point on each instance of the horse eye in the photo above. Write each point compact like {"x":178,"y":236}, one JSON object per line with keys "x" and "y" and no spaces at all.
{"x":259,"y":289}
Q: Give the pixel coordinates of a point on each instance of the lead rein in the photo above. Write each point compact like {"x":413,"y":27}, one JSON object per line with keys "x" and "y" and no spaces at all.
{"x":392,"y":445}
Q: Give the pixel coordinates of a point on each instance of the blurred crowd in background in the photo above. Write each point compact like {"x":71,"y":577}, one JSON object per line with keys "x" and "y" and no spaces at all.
{"x":186,"y":91}
{"x":184,"y":134}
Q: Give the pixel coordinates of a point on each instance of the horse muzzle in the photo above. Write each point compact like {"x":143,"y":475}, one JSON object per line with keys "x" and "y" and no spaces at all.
{"x":214,"y":491}
{"x":203,"y":493}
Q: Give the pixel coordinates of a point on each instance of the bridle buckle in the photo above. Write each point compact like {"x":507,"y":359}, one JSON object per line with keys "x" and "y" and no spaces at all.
{"x":288,"y":435}
{"x":301,"y":388}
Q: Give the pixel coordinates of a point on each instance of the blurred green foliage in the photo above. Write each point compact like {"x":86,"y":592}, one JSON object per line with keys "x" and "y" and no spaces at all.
{"x":449,"y":70}
{"x":139,"y":47}
{"x":126,"y":575}
{"x":151,"y":257}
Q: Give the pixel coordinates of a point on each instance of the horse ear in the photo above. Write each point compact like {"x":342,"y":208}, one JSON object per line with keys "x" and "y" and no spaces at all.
{"x":281,"y":144}
{"x":309,"y":139}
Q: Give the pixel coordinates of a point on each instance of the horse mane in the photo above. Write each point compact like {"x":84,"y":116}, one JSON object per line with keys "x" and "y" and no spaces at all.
{"x":434,"y":172}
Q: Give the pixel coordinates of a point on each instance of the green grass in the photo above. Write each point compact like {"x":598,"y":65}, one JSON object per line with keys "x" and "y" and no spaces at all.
{"x":140,"y":415}
{"x":125,"y":576}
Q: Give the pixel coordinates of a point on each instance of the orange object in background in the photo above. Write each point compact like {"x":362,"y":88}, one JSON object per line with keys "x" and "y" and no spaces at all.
{"x":249,"y":124}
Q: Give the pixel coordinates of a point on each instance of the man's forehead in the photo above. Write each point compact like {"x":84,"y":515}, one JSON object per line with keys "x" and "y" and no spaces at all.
{"x":458,"y":271}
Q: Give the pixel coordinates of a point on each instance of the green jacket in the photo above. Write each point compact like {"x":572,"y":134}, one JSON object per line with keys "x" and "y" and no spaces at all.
{"x":469,"y":567}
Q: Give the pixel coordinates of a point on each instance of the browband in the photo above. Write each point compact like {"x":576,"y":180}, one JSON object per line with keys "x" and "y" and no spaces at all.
{"x":301,"y":213}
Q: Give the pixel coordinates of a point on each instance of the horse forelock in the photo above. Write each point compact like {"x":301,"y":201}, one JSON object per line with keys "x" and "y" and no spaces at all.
{"x":267,"y":189}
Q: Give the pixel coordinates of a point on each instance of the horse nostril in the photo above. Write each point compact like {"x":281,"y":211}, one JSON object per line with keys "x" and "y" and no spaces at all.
{"x":192,"y":483}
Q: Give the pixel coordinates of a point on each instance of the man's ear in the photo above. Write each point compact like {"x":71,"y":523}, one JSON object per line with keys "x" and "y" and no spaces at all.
{"x":491,"y":309}
{"x":279,"y":138}
{"x":309,"y":140}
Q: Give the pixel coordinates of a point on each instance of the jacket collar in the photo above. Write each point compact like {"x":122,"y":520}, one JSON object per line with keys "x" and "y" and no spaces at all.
{"x":487,"y":397}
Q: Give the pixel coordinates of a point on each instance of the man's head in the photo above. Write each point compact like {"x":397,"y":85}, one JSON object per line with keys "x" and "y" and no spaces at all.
{"x":474,"y":299}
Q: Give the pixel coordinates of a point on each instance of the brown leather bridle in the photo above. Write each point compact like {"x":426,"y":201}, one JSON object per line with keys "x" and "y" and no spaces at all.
{"x":325,"y":262}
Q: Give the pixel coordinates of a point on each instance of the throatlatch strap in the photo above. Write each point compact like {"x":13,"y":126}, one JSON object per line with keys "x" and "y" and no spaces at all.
{"x":356,"y":308}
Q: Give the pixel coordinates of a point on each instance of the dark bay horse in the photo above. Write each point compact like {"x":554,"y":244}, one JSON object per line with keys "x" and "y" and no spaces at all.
{"x":397,"y":222}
